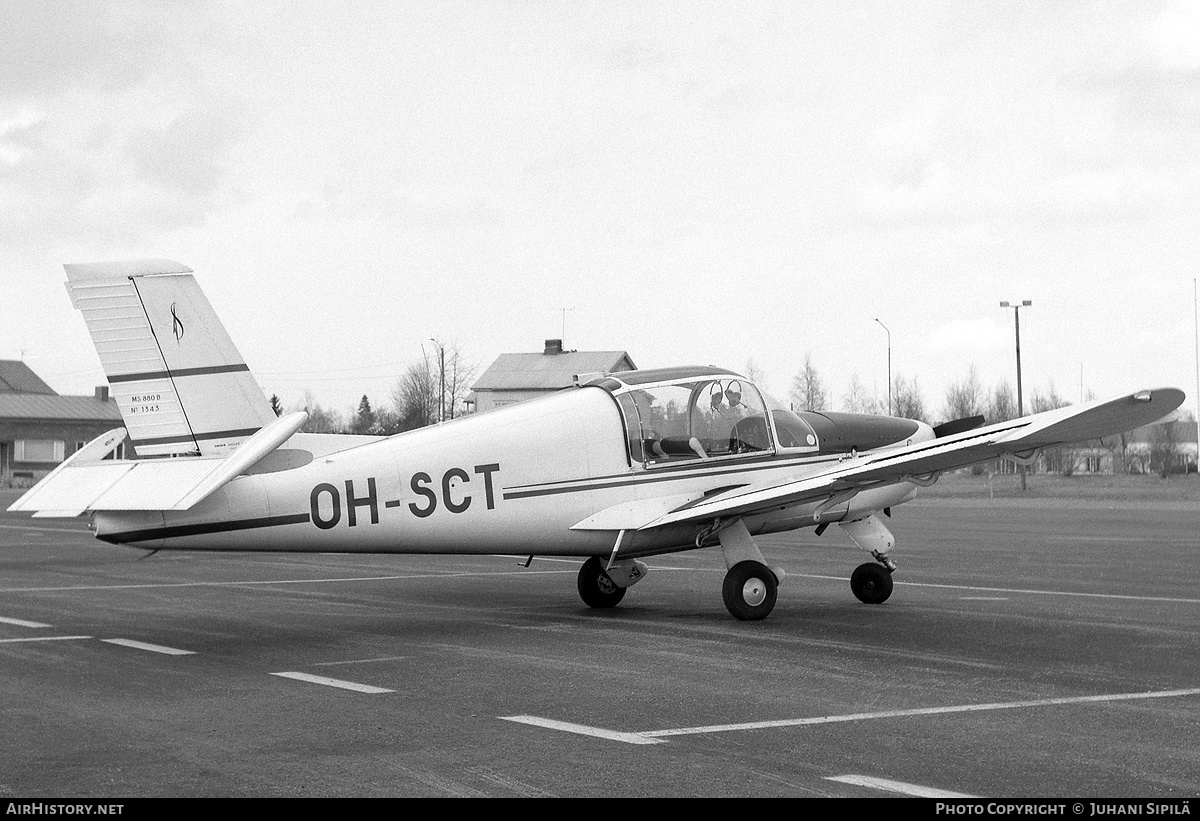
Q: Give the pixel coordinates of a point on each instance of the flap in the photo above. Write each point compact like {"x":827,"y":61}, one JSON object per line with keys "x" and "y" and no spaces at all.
{"x":636,"y":514}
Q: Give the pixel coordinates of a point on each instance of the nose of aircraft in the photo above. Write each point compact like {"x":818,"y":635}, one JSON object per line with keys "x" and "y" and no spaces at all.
{"x":844,"y":432}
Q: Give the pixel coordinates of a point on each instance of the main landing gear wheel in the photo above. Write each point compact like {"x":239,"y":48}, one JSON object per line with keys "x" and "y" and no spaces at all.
{"x":749,"y":590}
{"x":871,"y":583}
{"x":596,"y":588}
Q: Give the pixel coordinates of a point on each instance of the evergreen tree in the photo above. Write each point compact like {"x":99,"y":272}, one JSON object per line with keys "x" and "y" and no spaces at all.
{"x":365,"y":419}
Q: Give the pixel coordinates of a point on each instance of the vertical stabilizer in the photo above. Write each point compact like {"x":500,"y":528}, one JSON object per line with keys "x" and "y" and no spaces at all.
{"x":181,"y":385}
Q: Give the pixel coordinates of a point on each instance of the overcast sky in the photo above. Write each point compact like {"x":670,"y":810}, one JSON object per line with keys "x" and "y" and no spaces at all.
{"x":698,"y":183}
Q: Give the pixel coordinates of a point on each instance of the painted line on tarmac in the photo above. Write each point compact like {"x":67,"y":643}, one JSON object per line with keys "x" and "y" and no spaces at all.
{"x":983,"y":598}
{"x":44,"y":638}
{"x":651,"y":736}
{"x":22,"y":622}
{"x":583,"y":729}
{"x":899,"y":787}
{"x":268,"y":582}
{"x":358,"y":661}
{"x":333,"y":682}
{"x":153,"y":648}
{"x":1116,"y":596}
{"x":1010,"y":590}
{"x":1013,"y":590}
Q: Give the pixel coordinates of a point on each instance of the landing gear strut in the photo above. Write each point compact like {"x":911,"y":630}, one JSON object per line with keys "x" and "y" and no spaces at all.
{"x":750,"y":586}
{"x":872,"y":582}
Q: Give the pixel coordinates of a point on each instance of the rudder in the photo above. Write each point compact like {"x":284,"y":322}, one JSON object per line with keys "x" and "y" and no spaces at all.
{"x":179,"y":381}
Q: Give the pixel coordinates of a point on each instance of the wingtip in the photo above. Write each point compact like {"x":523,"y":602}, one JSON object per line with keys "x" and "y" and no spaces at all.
{"x":1166,"y":398}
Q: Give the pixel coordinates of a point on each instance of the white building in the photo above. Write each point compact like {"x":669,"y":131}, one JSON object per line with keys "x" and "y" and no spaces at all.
{"x":515,"y":377}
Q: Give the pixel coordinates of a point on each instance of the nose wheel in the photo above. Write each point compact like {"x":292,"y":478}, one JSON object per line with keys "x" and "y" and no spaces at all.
{"x":749,"y":590}
{"x":871,"y":583}
{"x":596,"y":588}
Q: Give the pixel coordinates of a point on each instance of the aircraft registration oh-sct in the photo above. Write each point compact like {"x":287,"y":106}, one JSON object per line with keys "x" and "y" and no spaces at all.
{"x":617,"y":468}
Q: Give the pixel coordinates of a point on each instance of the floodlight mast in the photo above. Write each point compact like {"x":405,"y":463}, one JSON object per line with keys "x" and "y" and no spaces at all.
{"x":1020,"y":399}
{"x":442,"y":385}
{"x":889,"y":338}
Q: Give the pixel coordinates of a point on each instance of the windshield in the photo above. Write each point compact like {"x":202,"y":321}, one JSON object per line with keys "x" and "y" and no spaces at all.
{"x":793,"y":432}
{"x":695,"y":419}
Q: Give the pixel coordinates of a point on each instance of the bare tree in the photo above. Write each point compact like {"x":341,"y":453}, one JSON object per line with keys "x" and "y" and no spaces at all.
{"x":965,"y":397}
{"x":1047,"y":401}
{"x":386,"y":422}
{"x":755,"y":374}
{"x":808,"y":392}
{"x":1059,"y":459}
{"x":906,"y":399}
{"x":1002,"y":404}
{"x":415,"y":396}
{"x":856,"y":399}
{"x":459,"y":375}
{"x":1164,"y":447}
{"x":321,"y":420}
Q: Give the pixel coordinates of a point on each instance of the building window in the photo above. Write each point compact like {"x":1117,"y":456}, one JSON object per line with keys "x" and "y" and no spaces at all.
{"x":39,"y":450}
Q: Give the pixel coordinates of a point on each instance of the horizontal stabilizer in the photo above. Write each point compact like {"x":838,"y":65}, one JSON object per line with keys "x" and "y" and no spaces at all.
{"x":84,"y":482}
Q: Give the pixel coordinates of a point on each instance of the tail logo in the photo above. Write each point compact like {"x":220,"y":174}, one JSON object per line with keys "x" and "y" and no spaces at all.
{"x":176,"y":324}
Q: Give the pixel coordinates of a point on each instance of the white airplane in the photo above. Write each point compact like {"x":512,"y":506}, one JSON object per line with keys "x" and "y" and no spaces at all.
{"x":620,"y":467}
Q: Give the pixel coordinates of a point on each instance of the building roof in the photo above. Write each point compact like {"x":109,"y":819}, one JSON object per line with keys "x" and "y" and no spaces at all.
{"x":59,"y":408}
{"x":16,"y":377}
{"x":548,"y":371}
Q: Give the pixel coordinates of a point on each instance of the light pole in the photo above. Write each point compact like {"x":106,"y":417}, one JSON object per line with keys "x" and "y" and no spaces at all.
{"x":442,"y":394}
{"x":1020,"y":400}
{"x":889,"y":337}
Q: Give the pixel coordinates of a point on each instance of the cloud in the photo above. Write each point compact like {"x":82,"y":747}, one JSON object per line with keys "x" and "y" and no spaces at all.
{"x":64,"y":45}
{"x":17,"y":133}
{"x":112,"y":124}
{"x":968,"y":335}
{"x":1177,"y":32}
{"x":113,"y":180}
{"x":187,"y":155}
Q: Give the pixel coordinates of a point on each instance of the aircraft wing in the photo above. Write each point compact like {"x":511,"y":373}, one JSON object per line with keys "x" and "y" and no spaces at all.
{"x":923,"y":461}
{"x":88,"y":481}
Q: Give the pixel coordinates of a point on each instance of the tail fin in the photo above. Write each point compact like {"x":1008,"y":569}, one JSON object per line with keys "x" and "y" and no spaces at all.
{"x":180,"y":384}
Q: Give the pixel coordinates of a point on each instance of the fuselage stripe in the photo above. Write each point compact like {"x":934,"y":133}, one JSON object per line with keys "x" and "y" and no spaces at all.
{"x":652,"y":477}
{"x":176,"y":531}
{"x":693,"y":469}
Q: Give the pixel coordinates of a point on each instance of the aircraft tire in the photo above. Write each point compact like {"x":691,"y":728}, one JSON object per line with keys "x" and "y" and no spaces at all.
{"x":871,"y":583}
{"x":596,"y":588}
{"x":749,"y":590}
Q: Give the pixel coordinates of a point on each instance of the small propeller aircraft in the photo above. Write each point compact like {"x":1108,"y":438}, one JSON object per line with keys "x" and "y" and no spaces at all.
{"x":617,"y":468}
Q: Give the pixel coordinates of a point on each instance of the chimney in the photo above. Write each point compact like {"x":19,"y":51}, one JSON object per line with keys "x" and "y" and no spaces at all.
{"x":553,"y":346}
{"x":102,"y":393}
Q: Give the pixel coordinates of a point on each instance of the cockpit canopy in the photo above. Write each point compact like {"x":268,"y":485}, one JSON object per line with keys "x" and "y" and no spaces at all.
{"x":674,"y":415}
